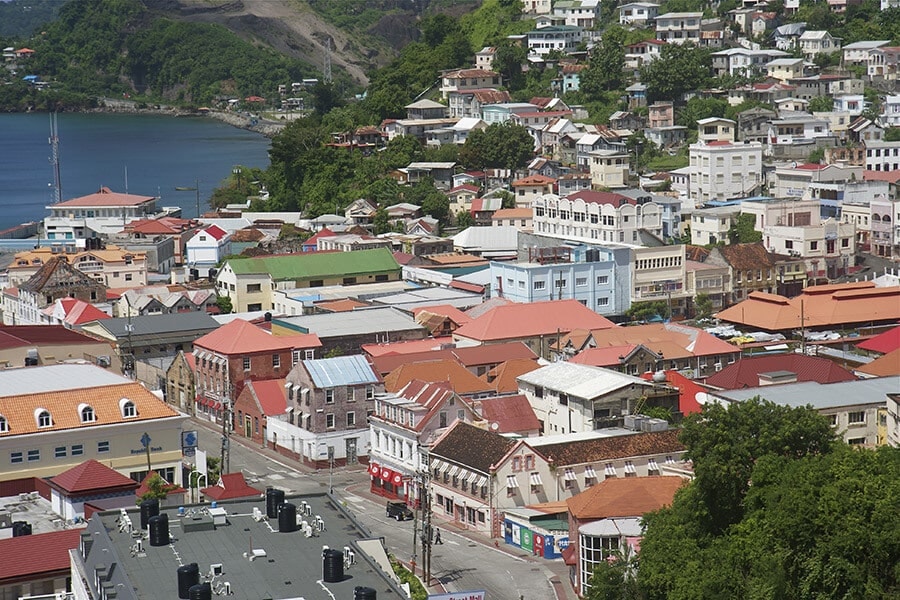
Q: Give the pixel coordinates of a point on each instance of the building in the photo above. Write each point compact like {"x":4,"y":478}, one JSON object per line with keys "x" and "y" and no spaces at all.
{"x":678,"y":28}
{"x":41,"y":564}
{"x":854,"y":408}
{"x":164,"y":300}
{"x":560,"y":38}
{"x":751,"y":268}
{"x":638,"y":13}
{"x":776,"y":369}
{"x":207,"y":247}
{"x":55,"y":417}
{"x":249,"y":282}
{"x":55,"y":280}
{"x":30,"y":345}
{"x":460,"y":80}
{"x":722,"y":170}
{"x":609,"y":169}
{"x":596,"y":217}
{"x":882,"y":156}
{"x":402,"y":428}
{"x":212,"y":547}
{"x":884,"y":63}
{"x":110,"y":266}
{"x":328,"y":401}
{"x":101,"y":213}
{"x":180,"y":391}
{"x":179,"y":230}
{"x":813,"y":43}
{"x":711,"y":225}
{"x":577,"y":13}
{"x":527,"y":189}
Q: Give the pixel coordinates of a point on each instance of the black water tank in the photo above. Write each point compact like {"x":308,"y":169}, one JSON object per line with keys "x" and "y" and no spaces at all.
{"x":20,"y":528}
{"x":332,"y":566}
{"x":201,"y":591}
{"x":363,"y":593}
{"x":159,"y":530}
{"x":149,"y":508}
{"x":188,"y":576}
{"x":274,"y":498}
{"x":287,"y":518}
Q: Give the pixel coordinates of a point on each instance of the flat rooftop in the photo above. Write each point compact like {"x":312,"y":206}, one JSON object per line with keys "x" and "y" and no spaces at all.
{"x":820,"y":395}
{"x":290,"y":568}
{"x":35,"y":510}
{"x":55,"y":378}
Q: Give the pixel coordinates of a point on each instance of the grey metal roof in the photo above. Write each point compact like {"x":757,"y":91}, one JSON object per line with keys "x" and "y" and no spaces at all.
{"x":291,"y":566}
{"x":354,"y":322}
{"x":821,"y":395}
{"x":155,"y":324}
{"x":340,"y":370}
{"x":55,"y":378}
{"x":582,"y":381}
{"x":430,"y":296}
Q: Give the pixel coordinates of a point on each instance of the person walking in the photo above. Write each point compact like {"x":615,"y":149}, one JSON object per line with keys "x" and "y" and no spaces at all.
{"x":437,"y":537}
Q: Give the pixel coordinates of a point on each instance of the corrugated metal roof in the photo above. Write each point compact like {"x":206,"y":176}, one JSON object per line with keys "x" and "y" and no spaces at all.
{"x":581,"y":381}
{"x":55,"y":378}
{"x":821,"y":396}
{"x":340,"y":370}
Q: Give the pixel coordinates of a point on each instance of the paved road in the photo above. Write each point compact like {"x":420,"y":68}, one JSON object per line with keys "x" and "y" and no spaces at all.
{"x":465,"y":561}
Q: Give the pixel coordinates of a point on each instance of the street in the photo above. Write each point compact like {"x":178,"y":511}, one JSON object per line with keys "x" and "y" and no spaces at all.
{"x":460,"y":563}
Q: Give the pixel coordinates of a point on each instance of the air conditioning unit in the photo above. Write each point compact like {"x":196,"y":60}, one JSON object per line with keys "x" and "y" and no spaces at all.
{"x":718,"y":367}
{"x":103,"y":361}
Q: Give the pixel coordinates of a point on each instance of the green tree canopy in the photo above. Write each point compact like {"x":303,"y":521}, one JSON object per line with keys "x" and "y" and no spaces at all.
{"x":499,"y":146}
{"x":680,"y":68}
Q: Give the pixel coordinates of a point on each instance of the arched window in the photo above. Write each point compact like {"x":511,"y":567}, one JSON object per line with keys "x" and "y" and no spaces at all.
{"x":4,"y":426}
{"x":43,"y":418}
{"x":87,"y":413}
{"x":128,"y":408}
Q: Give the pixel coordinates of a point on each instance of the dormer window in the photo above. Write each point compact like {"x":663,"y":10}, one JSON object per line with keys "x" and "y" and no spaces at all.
{"x":87,"y":413}
{"x":127,"y":407}
{"x":4,"y":425}
{"x":42,"y":416}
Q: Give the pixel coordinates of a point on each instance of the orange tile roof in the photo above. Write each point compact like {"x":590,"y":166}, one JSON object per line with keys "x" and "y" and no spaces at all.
{"x":37,"y":555}
{"x":883,"y":366}
{"x":105,"y":197}
{"x":63,"y":408}
{"x":461,"y":380}
{"x":513,"y":213}
{"x":242,"y":337}
{"x":626,"y":497}
{"x":270,"y":395}
{"x":533,"y":180}
{"x":514,"y":321}
{"x":444,"y":310}
{"x":91,"y":475}
{"x":343,"y":305}
{"x":674,"y":340}
{"x":503,"y":376}
{"x":822,"y":306}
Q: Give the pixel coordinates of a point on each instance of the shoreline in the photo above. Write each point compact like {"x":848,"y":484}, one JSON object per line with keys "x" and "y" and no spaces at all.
{"x":239,"y":120}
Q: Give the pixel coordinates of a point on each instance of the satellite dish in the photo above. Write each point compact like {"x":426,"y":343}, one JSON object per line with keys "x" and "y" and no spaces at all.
{"x":495,"y":426}
{"x":702,"y":398}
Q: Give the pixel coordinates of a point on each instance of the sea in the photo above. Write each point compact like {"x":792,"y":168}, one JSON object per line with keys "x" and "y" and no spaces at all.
{"x":147,"y":155}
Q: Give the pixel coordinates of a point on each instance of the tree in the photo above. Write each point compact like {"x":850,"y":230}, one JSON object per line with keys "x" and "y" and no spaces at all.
{"x":604,"y":71}
{"x":892,"y":134}
{"x":680,"y":68}
{"x":821,"y":104}
{"x":644,"y":311}
{"x":508,"y":61}
{"x":743,"y":230}
{"x":702,"y":306}
{"x":701,"y":108}
{"x":224,"y":304}
{"x":725,"y":443}
{"x":157,"y":488}
{"x":499,"y":146}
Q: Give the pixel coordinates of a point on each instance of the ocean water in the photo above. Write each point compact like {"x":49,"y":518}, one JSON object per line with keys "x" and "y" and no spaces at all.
{"x":158,"y":153}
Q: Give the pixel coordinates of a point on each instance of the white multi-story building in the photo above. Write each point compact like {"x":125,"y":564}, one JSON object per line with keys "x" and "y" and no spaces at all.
{"x":459,"y":80}
{"x":659,"y":273}
{"x":102,"y":213}
{"x":536,"y":7}
{"x":638,"y":13}
{"x":596,"y":216}
{"x":890,"y":111}
{"x":743,"y":61}
{"x":561,"y":38}
{"x":609,"y":168}
{"x":818,"y":42}
{"x":793,"y":180}
{"x":679,"y":27}
{"x":577,"y":13}
{"x":883,"y":156}
{"x":858,"y":53}
{"x":722,"y":170}
{"x":711,"y":225}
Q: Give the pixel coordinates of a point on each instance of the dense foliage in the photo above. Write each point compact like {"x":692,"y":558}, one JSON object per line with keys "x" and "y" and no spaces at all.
{"x":20,"y":18}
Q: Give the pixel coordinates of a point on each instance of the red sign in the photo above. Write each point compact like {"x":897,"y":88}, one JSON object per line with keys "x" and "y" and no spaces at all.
{"x":373,"y":470}
{"x":398,"y":479}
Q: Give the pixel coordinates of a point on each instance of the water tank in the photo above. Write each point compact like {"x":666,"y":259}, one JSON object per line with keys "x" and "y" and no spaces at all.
{"x":195,"y":274}
{"x":274,"y":498}
{"x":363,"y":593}
{"x":149,"y":508}
{"x":287,"y":517}
{"x":159,"y":530}
{"x":20,"y":528}
{"x":188,"y":576}
{"x":332,"y":566}
{"x":201,"y":591}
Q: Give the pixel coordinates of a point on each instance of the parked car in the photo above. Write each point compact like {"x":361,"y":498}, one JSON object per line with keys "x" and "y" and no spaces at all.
{"x":398,"y":510}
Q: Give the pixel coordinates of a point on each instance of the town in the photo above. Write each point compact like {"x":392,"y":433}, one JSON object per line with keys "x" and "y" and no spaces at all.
{"x":659,"y":333}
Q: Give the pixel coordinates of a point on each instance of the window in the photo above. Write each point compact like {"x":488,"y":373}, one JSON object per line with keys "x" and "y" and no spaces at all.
{"x":77,"y":449}
{"x":329,"y":396}
{"x":349,"y":280}
{"x":540,"y":285}
{"x":87,"y":415}
{"x":529,"y":462}
{"x":329,"y":421}
{"x":4,"y":426}
{"x":60,"y":452}
{"x":351,"y":419}
{"x":517,"y":463}
{"x":43,"y":419}
{"x":15,"y":457}
{"x":246,"y":361}
{"x":102,"y":447}
{"x":370,"y":392}
{"x":580,"y":281}
{"x":851,"y":441}
{"x":603,"y":301}
{"x":276,"y":361}
{"x":253,"y":287}
{"x":442,"y":418}
{"x":128,"y":409}
{"x":34,"y":455}
{"x":856,"y":417}
{"x":602,"y":279}
{"x":128,"y":276}
{"x":814,"y":245}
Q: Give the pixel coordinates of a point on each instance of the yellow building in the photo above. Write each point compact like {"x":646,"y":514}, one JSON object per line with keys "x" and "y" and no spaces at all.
{"x":111,"y":266}
{"x":57,"y":416}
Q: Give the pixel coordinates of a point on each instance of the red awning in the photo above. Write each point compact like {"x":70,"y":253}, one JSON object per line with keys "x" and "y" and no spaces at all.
{"x":374,"y":469}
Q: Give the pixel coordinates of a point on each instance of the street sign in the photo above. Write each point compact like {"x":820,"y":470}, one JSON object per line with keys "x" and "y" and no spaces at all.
{"x":473,"y":595}
{"x":145,"y":440}
{"x":188,"y":440}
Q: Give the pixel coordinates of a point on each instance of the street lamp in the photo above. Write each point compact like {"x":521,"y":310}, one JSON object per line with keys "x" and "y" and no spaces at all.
{"x":196,"y":188}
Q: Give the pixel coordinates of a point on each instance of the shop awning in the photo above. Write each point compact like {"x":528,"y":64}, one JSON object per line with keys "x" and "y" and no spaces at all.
{"x":454,"y":471}
{"x":535,"y":479}
{"x":610,"y":470}
{"x":473,"y":478}
{"x":651,"y":465}
{"x":570,"y":475}
{"x":629,"y":468}
{"x":511,"y":482}
{"x":482,"y":482}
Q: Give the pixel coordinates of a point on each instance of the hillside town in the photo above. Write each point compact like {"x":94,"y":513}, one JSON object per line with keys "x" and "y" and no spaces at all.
{"x":527,"y":374}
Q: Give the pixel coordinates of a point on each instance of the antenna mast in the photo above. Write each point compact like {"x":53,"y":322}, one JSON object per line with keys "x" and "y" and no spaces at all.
{"x":54,"y":158}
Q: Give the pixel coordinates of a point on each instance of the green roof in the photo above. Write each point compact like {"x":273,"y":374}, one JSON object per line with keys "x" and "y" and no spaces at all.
{"x":317,"y":265}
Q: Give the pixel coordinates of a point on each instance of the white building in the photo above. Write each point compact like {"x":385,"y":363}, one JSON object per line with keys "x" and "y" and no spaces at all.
{"x":596,"y":217}
{"x":609,"y":168}
{"x":102,"y":213}
{"x":721,"y":170}
{"x":561,"y":38}
{"x":883,"y":156}
{"x":818,"y":42}
{"x":711,"y":225}
{"x":638,"y":13}
{"x":207,"y":247}
{"x":890,"y":111}
{"x":577,"y":13}
{"x":858,"y":53}
{"x":678,"y":28}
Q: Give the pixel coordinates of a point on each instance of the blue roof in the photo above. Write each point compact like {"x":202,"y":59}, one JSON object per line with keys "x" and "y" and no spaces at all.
{"x":340,"y":370}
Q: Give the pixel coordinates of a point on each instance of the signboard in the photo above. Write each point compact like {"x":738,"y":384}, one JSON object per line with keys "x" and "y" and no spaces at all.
{"x":473,"y":595}
{"x":189,"y":442}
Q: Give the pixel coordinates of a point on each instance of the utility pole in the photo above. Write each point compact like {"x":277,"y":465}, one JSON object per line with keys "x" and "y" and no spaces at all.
{"x":802,"y":329}
{"x":225,"y":465}
{"x":426,"y":530}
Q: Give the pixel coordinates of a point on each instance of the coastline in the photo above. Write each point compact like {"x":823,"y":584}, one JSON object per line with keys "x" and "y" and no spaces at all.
{"x":240,"y":120}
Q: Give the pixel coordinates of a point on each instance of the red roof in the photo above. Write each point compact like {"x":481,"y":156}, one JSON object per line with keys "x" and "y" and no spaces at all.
{"x":161,"y":226}
{"x":255,"y":99}
{"x":16,"y":336}
{"x":78,"y":312}
{"x":689,"y":398}
{"x":511,"y":414}
{"x":445,"y":310}
{"x":625,"y":497}
{"x":883,"y":343}
{"x":602,"y":357}
{"x":314,"y":240}
{"x":410,"y":347}
{"x":32,"y":557}
{"x":216,"y":232}
{"x":810,"y":167}
{"x":270,"y":395}
{"x":745,"y":372}
{"x":105,"y":197}
{"x":889,"y":176}
{"x":230,"y":486}
{"x":534,"y":179}
{"x":242,"y":337}
{"x":512,"y":321}
{"x":593,"y":197}
{"x":467,"y":287}
{"x":91,"y":476}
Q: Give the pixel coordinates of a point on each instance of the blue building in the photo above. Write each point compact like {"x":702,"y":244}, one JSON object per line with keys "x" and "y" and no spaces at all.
{"x":537,"y":532}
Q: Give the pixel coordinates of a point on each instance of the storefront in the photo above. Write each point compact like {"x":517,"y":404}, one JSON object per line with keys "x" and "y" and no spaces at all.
{"x":385,"y":482}
{"x":536,"y":532}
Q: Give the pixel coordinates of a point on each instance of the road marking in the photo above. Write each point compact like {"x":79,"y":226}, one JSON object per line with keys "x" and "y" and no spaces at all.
{"x":275,"y":477}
